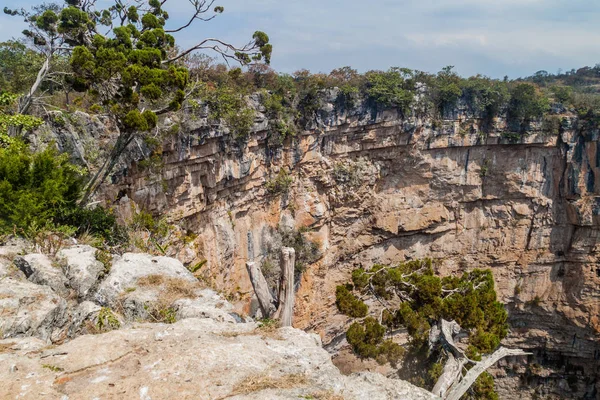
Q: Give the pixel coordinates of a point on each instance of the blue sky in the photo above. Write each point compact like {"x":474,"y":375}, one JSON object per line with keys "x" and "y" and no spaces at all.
{"x":491,"y":37}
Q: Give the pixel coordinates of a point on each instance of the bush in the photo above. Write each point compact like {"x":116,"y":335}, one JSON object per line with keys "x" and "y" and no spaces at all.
{"x":96,"y":221}
{"x":35,"y":188}
{"x":423,"y":299}
{"x":280,"y":184}
{"x":526,"y":104}
{"x":349,"y":304}
{"x":366,"y":339}
{"x":394,"y":88}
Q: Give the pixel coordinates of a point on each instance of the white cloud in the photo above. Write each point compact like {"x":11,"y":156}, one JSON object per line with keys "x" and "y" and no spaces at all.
{"x":489,"y":36}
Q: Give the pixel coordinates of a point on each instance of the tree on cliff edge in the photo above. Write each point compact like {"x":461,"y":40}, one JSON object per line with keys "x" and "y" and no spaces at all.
{"x":435,"y":312}
{"x":125,"y":57}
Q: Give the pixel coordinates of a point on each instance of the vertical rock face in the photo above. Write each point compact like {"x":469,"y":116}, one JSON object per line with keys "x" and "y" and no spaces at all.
{"x":372,"y":186}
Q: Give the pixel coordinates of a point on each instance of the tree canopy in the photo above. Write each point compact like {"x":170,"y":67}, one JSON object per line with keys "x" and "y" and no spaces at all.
{"x":410,"y":295}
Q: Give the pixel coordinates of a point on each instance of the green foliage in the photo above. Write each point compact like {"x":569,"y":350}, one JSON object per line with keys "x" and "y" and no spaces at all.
{"x":229,"y":104}
{"x":551,"y":125}
{"x":349,"y":304}
{"x":11,"y":119}
{"x":165,"y":315}
{"x":107,"y":320}
{"x":482,"y":389}
{"x":52,"y":368}
{"x":281,"y":184}
{"x":526,"y":104}
{"x":281,"y":116}
{"x":367,"y":340}
{"x":485,"y":96}
{"x":446,"y":90}
{"x":106,"y":259}
{"x":563,"y":94}
{"x":35,"y":188}
{"x":421,"y":299}
{"x":96,"y":221}
{"x":307,"y":252}
{"x":18,"y":66}
{"x":394,"y":88}
{"x":144,"y":220}
{"x":194,"y":268}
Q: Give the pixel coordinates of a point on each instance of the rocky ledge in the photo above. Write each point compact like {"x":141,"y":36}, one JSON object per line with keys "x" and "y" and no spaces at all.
{"x":71,"y":330}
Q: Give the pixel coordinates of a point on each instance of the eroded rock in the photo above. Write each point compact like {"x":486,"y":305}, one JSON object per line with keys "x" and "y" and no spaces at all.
{"x":128,"y":269}
{"x":193,"y":358}
{"x":82,"y":268}
{"x":38,"y":268}
{"x":28,"y":309}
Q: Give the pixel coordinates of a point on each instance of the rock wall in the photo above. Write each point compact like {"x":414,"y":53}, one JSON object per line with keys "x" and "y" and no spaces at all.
{"x":373,"y":186}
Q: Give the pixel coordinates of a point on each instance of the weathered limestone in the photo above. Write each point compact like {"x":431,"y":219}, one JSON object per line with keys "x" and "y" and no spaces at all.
{"x":128,"y":269}
{"x":193,"y":358}
{"x":373,"y":186}
{"x":38,"y":268}
{"x":82,"y":268}
{"x":28,"y":309}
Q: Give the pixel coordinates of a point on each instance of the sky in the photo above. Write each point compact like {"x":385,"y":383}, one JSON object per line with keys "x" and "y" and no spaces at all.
{"x":489,"y":37}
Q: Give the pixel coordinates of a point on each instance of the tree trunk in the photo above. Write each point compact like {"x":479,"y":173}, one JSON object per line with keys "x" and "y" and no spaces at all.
{"x":451,"y":385}
{"x":122,"y":142}
{"x":450,"y":375}
{"x":285,"y":312}
{"x":459,"y":389}
{"x":26,"y":100}
{"x":261,"y":288}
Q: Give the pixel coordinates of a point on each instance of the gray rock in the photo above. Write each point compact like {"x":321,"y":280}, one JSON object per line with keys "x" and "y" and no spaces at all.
{"x":82,"y":268}
{"x":38,"y":269}
{"x":194,"y":358}
{"x":86,"y":311}
{"x":31,"y":310}
{"x":126,"y":271}
{"x":135,"y":305}
{"x":208,"y":305}
{"x":9,"y":270}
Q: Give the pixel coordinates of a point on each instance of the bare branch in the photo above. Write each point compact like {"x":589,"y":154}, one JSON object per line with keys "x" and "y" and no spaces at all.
{"x":214,"y":44}
{"x":201,"y":8}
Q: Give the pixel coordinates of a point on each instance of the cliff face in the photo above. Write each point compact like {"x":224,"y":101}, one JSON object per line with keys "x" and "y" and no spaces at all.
{"x":372,"y":186}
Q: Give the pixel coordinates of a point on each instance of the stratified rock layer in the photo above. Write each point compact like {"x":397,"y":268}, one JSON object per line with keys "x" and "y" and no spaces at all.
{"x":374,"y":186}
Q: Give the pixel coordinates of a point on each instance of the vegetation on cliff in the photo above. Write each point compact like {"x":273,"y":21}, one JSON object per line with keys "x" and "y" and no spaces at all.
{"x":411,"y":296}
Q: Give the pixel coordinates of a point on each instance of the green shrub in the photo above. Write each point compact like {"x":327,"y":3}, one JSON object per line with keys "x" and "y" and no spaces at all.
{"x":485,"y":96}
{"x":366,"y":339}
{"x":423,"y":298}
{"x":551,"y":125}
{"x":526,"y":104}
{"x":107,"y":320}
{"x":446,"y":90}
{"x":96,"y":221}
{"x":394,"y":88}
{"x":35,"y":188}
{"x":281,"y":184}
{"x":349,"y":304}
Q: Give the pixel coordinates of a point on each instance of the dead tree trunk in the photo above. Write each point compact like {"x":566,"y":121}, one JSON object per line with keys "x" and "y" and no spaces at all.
{"x":27,"y":99}
{"x":479,"y":368}
{"x":261,"y":288}
{"x":283,"y":308}
{"x":451,"y":385}
{"x":285,"y":311}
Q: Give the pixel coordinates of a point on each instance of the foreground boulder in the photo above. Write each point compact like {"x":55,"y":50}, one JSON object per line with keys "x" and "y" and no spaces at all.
{"x":131,"y":267}
{"x":82,"y":268}
{"x":191,"y":359}
{"x":38,"y":268}
{"x":28,"y":309}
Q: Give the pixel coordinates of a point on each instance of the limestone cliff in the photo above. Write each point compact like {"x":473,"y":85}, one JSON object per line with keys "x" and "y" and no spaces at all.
{"x":375,"y":186}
